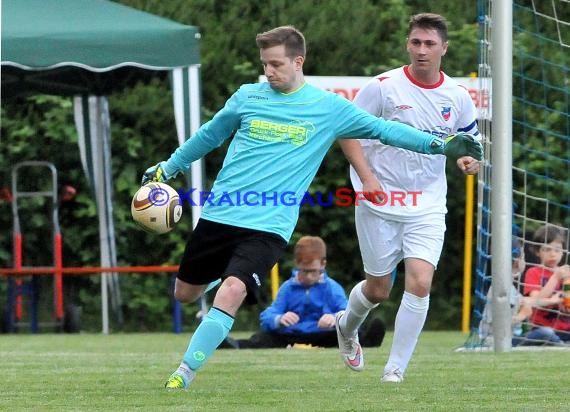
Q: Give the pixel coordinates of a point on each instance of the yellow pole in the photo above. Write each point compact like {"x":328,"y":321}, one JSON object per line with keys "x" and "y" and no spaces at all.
{"x":274,"y":281}
{"x":467,"y":253}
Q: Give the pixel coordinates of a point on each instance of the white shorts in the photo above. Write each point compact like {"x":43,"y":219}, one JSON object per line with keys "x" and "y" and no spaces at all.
{"x":384,"y":243}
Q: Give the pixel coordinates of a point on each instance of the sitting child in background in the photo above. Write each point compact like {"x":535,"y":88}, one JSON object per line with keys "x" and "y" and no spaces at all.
{"x":543,"y":283}
{"x":521,"y":308}
{"x":305,"y":307}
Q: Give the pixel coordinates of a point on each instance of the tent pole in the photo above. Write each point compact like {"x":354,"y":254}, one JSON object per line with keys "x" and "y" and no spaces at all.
{"x":186,"y":95}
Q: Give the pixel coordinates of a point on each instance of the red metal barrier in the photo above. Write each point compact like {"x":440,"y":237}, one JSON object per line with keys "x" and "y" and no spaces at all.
{"x":85,"y":270}
{"x":18,"y":309}
{"x":58,"y":275}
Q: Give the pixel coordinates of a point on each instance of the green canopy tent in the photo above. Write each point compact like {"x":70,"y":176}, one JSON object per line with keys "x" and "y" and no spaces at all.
{"x":89,"y":49}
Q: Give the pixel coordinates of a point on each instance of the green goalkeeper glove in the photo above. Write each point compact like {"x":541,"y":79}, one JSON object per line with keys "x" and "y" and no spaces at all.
{"x":458,"y":145}
{"x":156,"y":173}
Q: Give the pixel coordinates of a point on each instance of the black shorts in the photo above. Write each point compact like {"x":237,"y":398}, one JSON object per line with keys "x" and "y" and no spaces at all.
{"x":216,"y":250}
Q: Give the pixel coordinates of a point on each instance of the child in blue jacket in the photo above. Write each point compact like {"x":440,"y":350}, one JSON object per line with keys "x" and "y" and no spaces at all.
{"x":305,"y":307}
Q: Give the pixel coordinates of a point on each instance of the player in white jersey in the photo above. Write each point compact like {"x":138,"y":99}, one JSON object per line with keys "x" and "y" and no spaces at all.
{"x":407,"y":220}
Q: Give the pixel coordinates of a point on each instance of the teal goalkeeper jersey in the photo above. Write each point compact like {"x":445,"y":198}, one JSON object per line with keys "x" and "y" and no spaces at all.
{"x":279,"y":141}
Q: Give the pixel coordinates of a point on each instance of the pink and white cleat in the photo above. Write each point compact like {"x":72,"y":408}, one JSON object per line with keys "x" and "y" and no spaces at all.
{"x":350,"y":349}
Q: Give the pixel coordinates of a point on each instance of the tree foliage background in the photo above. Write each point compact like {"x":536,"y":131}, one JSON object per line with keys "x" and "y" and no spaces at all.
{"x":356,"y":38}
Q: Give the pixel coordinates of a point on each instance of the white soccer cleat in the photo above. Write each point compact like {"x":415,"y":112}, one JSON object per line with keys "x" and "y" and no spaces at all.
{"x":350,"y":349}
{"x":393,"y":376}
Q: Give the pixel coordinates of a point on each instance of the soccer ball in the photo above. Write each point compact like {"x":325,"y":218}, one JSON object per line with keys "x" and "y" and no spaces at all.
{"x":156,"y":207}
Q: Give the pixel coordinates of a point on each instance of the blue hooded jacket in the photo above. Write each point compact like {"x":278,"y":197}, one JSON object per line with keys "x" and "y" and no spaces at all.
{"x":310,"y":303}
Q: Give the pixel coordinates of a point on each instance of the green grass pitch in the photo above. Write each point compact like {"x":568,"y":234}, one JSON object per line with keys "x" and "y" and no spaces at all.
{"x":120,"y":372}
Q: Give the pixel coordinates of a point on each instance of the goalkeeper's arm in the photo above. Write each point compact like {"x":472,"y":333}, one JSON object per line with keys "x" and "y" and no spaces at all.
{"x":398,"y":134}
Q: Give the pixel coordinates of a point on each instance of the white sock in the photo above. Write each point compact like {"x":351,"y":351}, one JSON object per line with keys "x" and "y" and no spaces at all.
{"x":410,"y":321}
{"x":356,"y":311}
{"x":185,"y":370}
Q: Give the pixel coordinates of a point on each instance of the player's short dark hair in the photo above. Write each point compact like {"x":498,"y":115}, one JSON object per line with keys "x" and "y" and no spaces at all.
{"x":311,"y":245}
{"x":429,"y":21}
{"x":289,"y":36}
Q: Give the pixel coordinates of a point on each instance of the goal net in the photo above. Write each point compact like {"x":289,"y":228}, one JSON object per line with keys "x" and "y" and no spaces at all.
{"x":540,"y":148}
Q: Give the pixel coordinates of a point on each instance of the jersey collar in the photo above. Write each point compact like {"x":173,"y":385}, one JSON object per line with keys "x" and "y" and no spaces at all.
{"x":422,"y":85}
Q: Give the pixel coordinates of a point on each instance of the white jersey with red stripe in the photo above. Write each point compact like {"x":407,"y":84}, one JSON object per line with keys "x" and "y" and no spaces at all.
{"x":415,"y":184}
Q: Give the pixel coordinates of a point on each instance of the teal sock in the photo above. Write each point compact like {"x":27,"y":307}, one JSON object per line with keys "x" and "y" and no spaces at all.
{"x":212,"y":285}
{"x":210,"y":333}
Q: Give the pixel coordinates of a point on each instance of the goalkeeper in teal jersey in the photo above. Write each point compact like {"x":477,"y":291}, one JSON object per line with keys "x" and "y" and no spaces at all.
{"x":281,"y":131}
